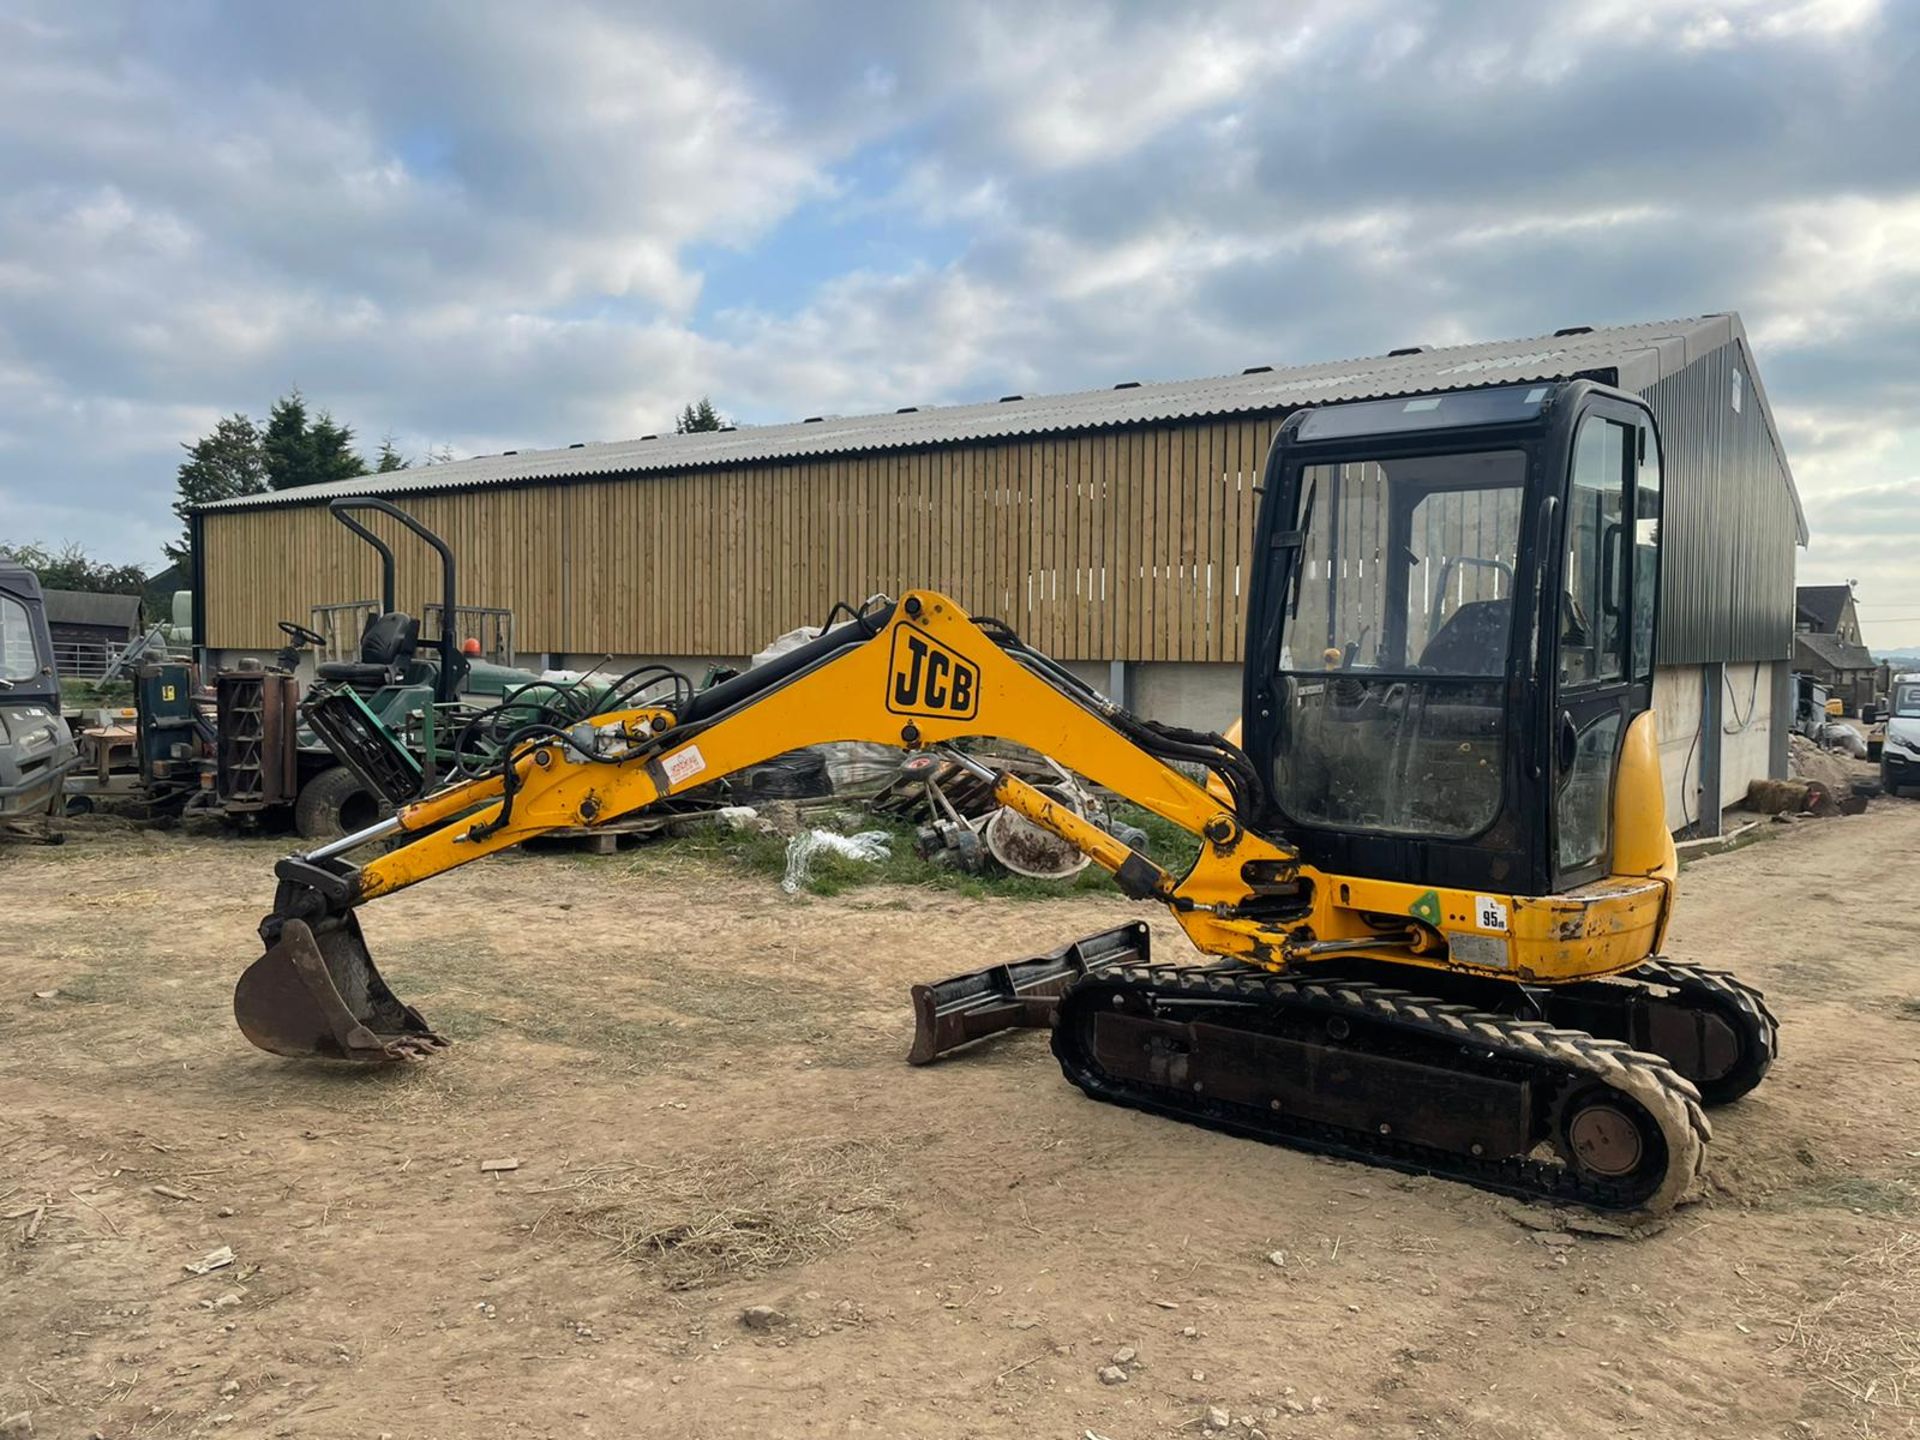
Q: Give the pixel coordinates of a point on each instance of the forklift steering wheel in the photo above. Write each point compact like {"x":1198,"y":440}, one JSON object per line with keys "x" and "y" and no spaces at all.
{"x":301,"y":635}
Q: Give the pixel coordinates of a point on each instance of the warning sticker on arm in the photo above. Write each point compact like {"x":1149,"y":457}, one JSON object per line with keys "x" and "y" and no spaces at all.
{"x":683,"y":765}
{"x":1489,"y":913}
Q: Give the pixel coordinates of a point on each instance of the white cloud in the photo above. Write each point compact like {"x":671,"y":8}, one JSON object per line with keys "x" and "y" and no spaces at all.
{"x":1695,"y":25}
{"x":1079,"y":85}
{"x":492,"y":225}
{"x":1842,"y":260}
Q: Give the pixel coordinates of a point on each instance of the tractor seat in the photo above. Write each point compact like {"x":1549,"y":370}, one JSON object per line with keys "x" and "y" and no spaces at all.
{"x":386,"y":645}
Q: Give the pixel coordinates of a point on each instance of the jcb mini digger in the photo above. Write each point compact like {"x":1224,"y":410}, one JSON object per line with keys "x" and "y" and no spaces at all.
{"x":1433,"y":881}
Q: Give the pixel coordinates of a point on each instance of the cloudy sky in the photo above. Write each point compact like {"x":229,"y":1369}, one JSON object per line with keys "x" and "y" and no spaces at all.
{"x":494,"y":226}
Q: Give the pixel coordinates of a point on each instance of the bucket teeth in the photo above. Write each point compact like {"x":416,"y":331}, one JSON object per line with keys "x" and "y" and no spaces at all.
{"x":316,"y":994}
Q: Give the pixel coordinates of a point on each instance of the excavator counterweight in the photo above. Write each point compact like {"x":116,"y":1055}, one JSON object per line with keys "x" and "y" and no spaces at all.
{"x":1432,"y":884}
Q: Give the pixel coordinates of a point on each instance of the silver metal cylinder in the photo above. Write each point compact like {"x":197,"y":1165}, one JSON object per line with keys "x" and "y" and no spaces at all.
{"x":359,"y":837}
{"x":966,"y":762}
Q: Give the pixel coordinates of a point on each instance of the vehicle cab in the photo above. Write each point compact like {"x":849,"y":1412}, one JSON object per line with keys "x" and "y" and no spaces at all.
{"x":1455,"y":633}
{"x":36,"y":747}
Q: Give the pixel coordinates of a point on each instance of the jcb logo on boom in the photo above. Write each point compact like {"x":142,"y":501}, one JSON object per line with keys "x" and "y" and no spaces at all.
{"x":929,"y":679}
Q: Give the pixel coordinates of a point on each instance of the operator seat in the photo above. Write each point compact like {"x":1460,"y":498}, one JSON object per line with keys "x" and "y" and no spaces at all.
{"x":1473,"y":641}
{"x":386,"y":648}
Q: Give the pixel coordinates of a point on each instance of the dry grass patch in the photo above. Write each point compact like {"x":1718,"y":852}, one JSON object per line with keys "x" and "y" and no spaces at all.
{"x":1864,"y":1339}
{"x":739,"y":1212}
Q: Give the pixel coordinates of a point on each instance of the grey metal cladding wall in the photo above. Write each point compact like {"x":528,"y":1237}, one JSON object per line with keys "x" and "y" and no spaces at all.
{"x":1760,"y":618}
{"x":1727,"y":584}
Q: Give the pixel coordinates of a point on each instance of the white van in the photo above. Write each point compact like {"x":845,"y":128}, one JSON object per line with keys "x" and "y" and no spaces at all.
{"x":1900,"y":751}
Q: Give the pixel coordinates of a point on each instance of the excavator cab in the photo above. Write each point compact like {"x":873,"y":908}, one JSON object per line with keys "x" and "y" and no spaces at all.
{"x":1453,"y":634}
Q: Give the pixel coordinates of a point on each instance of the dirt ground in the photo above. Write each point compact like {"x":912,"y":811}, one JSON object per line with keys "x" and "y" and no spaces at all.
{"x":702,"y":1082}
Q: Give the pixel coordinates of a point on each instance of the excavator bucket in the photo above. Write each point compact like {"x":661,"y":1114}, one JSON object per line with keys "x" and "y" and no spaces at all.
{"x":1022,"y":995}
{"x":316,"y":994}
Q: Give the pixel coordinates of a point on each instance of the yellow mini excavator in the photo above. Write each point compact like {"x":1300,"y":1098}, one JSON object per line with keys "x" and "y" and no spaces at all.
{"x":1433,"y":880}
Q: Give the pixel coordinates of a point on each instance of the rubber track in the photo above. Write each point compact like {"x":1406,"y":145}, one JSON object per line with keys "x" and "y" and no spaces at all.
{"x":1559,"y":1055}
{"x":1713,"y":992}
{"x":1720,"y":985}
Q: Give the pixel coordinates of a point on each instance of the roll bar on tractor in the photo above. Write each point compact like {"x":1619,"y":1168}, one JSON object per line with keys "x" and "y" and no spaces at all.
{"x":453,"y":664}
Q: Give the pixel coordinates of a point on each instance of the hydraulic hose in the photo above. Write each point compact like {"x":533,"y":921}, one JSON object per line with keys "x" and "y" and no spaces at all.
{"x":1214,"y":753}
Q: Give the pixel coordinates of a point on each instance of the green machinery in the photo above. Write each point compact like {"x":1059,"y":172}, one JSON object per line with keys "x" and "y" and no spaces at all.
{"x":379,"y":729}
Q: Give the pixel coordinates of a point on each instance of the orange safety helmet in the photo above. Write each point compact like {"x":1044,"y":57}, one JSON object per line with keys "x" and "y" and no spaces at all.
{"x":470,"y":646}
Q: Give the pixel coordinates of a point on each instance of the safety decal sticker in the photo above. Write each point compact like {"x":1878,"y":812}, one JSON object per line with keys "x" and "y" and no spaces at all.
{"x":1489,"y":913}
{"x":683,"y":765}
{"x":1426,"y":908}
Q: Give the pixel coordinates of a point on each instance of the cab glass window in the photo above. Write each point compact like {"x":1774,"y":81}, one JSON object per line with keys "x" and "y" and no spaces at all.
{"x":17,"y":658}
{"x":1398,"y":631}
{"x":1593,"y":615}
{"x":1646,"y":556}
{"x":1407,"y":564}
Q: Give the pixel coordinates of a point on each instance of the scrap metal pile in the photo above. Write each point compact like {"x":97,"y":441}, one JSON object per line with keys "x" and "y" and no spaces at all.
{"x":961,"y":826}
{"x":824,"y":793}
{"x":828,"y":794}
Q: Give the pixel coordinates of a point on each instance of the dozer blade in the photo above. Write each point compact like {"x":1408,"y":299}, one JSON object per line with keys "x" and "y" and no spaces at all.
{"x":318,"y":995}
{"x":1022,"y":995}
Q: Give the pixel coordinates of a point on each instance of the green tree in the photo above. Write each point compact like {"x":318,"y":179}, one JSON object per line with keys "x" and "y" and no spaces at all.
{"x":156,"y":596}
{"x":284,"y":441}
{"x":303,"y":451}
{"x":390,"y":459}
{"x":73,"y":569}
{"x":697,"y":418}
{"x":330,"y":451}
{"x":219,"y":466}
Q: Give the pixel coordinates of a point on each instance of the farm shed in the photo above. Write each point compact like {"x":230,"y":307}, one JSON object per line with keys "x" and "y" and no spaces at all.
{"x":89,"y":629}
{"x":1110,"y":527}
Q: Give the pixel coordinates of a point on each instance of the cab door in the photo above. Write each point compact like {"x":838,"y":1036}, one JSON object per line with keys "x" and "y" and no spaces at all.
{"x":1609,"y":578}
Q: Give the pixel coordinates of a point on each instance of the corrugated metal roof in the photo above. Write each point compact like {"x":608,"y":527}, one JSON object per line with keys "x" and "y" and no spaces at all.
{"x":1638,"y":354}
{"x":1835,"y":653}
{"x":88,"y":607}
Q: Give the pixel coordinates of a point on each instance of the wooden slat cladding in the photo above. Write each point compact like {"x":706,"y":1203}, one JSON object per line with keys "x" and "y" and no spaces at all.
{"x":1118,"y":544}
